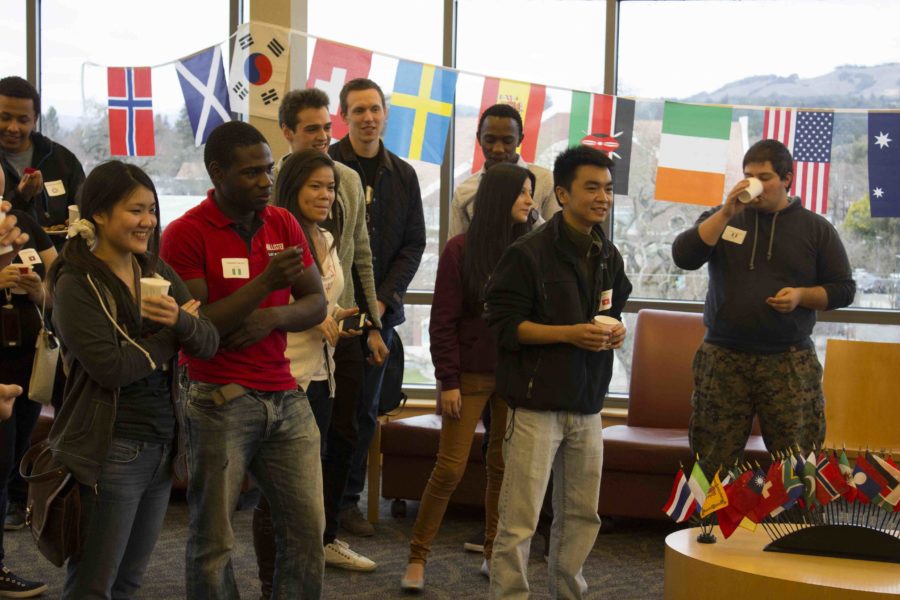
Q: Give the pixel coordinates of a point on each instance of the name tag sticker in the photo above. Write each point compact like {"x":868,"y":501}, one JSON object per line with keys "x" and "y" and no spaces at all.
{"x":235,"y":268}
{"x":30,"y":256}
{"x":55,"y":188}
{"x":734,"y":235}
{"x":606,"y":300}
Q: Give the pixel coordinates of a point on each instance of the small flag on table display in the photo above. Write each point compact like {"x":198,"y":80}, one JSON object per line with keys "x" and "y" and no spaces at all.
{"x":715,"y":497}
{"x":809,"y":481}
{"x":606,"y":123}
{"x":847,"y":473}
{"x":421,"y":107}
{"x":830,"y":485}
{"x":528,"y":99}
{"x":332,"y":66}
{"x":202,"y":79}
{"x":259,"y":70}
{"x":130,"y":111}
{"x":681,"y":503}
{"x":884,"y":164}
{"x":812,"y":158}
{"x":773,"y":494}
{"x":693,"y":153}
{"x":698,"y":483}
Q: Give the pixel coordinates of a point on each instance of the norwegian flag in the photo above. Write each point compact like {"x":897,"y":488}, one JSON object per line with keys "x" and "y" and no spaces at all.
{"x":130,"y":112}
{"x":807,"y":134}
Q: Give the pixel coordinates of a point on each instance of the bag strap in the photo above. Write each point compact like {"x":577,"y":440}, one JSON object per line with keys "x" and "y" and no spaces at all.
{"x":30,"y":459}
{"x":116,"y":325}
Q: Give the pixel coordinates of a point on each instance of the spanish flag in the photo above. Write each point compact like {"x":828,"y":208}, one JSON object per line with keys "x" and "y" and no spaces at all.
{"x":528,"y":99}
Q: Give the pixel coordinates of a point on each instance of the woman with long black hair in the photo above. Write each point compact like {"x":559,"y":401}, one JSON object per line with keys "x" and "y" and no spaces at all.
{"x":464,"y":355}
{"x":117,"y":431}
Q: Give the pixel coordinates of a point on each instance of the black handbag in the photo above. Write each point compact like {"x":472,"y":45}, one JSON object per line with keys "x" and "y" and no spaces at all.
{"x":392,"y":397}
{"x":53,"y":512}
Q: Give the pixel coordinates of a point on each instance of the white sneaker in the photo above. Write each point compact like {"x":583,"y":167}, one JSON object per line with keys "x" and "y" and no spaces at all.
{"x":338,"y":554}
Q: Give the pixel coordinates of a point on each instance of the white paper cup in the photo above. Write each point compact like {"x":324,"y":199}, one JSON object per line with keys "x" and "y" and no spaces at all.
{"x":74,"y":213}
{"x":23,"y":270}
{"x":153,"y":287}
{"x":754,"y":190}
{"x":604,"y":321}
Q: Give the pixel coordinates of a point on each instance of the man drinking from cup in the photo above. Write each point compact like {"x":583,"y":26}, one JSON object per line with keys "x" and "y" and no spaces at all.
{"x":772,"y":264}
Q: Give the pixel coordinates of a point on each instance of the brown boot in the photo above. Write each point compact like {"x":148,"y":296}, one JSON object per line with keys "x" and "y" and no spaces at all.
{"x":264,"y":544}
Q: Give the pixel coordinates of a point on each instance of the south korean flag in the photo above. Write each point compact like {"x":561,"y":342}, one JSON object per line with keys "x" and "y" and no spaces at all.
{"x":259,"y":69}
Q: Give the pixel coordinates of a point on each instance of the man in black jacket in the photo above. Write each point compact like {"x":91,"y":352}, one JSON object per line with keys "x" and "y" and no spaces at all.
{"x":396,"y":225}
{"x":42,"y":176}
{"x":553,"y":370}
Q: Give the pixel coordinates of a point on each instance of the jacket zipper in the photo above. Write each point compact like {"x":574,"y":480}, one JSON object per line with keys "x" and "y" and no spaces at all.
{"x":537,"y":365}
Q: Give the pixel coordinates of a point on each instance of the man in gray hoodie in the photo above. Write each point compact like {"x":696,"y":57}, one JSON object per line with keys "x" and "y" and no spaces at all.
{"x":772,"y":264}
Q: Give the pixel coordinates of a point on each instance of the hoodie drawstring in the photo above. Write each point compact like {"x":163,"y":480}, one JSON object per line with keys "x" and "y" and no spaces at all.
{"x":756,"y":237}
{"x":772,"y":237}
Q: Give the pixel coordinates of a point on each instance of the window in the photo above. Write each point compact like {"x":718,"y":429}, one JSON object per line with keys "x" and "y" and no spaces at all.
{"x":74,"y":101}
{"x":12,"y":39}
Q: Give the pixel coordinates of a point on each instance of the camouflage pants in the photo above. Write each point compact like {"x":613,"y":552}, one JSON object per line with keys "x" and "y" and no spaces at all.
{"x":730,"y":387}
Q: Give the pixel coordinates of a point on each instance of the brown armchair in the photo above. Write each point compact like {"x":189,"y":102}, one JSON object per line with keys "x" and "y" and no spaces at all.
{"x":641,"y":458}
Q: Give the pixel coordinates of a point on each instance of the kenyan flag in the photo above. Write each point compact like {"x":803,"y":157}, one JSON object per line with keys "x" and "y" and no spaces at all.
{"x":605,"y":123}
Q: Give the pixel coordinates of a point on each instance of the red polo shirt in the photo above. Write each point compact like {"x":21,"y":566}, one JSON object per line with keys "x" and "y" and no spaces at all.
{"x":203,"y":244}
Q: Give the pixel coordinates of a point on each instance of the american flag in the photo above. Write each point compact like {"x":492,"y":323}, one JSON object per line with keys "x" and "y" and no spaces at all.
{"x":807,"y":134}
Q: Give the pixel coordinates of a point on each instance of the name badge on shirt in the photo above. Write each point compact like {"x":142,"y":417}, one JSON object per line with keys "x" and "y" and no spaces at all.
{"x":605,"y":300}
{"x":55,"y":188}
{"x":734,"y":235}
{"x":235,"y":268}
{"x":30,"y":256}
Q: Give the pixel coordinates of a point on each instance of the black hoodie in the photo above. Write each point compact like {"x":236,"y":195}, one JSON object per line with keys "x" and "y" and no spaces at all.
{"x":792,"y":247}
{"x":56,"y":163}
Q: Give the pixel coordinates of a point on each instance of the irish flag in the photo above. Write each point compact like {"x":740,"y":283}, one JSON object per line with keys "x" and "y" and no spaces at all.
{"x":528,"y":99}
{"x":693,"y":153}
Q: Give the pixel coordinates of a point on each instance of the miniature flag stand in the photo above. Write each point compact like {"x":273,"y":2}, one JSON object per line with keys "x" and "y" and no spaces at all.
{"x":815,"y":504}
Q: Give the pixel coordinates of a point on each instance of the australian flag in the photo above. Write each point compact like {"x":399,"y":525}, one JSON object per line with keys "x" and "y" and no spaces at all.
{"x":884,"y":164}
{"x":130,"y":111}
{"x":202,"y":78}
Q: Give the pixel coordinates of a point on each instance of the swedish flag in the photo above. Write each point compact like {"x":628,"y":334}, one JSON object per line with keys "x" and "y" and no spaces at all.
{"x":421,"y":105}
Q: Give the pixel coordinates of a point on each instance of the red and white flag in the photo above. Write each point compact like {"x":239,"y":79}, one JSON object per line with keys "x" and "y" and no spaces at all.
{"x":808,"y":135}
{"x":332,"y":66}
{"x":779,"y":124}
{"x":130,"y":109}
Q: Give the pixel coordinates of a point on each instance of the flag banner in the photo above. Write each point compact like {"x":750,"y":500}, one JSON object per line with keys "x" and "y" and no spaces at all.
{"x":606,"y":123}
{"x":693,"y":153}
{"x":130,"y":111}
{"x":812,"y":158}
{"x":681,"y":503}
{"x":528,"y":99}
{"x":332,"y":66}
{"x":202,"y":79}
{"x":420,"y":109}
{"x":779,"y":124}
{"x":699,"y":484}
{"x":715,"y":497}
{"x":884,"y":164}
{"x":259,"y":70}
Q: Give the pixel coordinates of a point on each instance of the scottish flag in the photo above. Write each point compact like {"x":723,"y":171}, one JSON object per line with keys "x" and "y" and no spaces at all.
{"x":421,"y":105}
{"x":202,"y":78}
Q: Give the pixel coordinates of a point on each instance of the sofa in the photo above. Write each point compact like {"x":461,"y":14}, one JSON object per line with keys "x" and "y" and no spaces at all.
{"x":641,"y":457}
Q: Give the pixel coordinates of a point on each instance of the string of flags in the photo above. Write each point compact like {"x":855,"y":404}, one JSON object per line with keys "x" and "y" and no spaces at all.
{"x":692,"y":152}
{"x":794,"y":492}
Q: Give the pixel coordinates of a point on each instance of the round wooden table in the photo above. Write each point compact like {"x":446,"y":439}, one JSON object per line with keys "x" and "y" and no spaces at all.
{"x":738,"y":568}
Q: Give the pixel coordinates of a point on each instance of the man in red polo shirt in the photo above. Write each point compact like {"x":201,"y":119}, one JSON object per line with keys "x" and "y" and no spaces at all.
{"x":244,"y":259}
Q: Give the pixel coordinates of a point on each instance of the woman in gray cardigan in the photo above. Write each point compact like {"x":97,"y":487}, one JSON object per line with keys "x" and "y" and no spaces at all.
{"x":117,"y":429}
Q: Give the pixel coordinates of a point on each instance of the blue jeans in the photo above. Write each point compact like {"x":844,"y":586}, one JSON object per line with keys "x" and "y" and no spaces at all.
{"x":572,"y":446}
{"x":121,"y":521}
{"x":273,"y":436}
{"x":366,"y":420}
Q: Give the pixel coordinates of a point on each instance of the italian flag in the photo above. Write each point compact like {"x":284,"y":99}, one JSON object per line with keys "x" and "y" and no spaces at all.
{"x":693,"y":153}
{"x":528,"y":99}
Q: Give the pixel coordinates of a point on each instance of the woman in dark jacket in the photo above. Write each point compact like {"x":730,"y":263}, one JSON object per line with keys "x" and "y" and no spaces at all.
{"x":117,"y":428}
{"x":464,"y":355}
